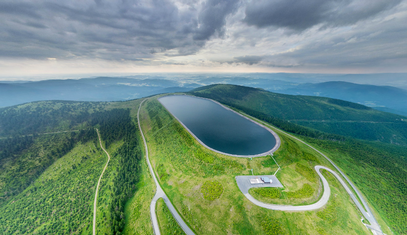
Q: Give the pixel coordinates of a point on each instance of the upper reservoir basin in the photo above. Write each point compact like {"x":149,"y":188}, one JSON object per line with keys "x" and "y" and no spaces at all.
{"x":219,"y":128}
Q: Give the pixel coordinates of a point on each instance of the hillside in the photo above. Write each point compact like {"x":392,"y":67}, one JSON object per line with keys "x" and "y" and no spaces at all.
{"x":366,"y":162}
{"x":186,"y":171}
{"x":378,"y":97}
{"x":50,"y":161}
{"x":324,"y":114}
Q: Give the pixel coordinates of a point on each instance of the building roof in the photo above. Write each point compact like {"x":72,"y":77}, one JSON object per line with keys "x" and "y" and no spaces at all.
{"x":265,"y":179}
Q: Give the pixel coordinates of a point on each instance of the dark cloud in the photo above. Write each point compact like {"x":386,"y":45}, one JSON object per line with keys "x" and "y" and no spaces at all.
{"x":377,"y":46}
{"x":212,"y":17}
{"x":152,"y":31}
{"x":14,"y":8}
{"x":299,"y":15}
{"x":109,"y":29}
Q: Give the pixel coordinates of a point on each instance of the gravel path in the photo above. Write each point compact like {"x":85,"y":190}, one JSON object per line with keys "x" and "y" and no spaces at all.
{"x":97,"y":187}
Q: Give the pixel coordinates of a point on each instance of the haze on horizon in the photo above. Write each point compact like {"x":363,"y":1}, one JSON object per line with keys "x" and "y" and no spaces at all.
{"x":50,"y":37}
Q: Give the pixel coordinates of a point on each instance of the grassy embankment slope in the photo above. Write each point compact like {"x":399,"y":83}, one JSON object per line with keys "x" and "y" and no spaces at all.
{"x":184,"y":168}
{"x":378,"y":169}
{"x":48,"y":181}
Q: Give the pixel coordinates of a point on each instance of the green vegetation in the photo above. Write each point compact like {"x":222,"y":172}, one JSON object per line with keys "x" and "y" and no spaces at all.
{"x":61,"y":199}
{"x":377,"y":169}
{"x":272,"y":193}
{"x":304,"y":192}
{"x":46,"y":116}
{"x":50,"y":161}
{"x":168,"y":225}
{"x":20,"y":168}
{"x":305,"y":171}
{"x":116,"y":124}
{"x":211,"y":190}
{"x":186,"y":166}
{"x":270,"y":225}
{"x":63,"y":204}
{"x":137,"y":210}
{"x":35,"y":135}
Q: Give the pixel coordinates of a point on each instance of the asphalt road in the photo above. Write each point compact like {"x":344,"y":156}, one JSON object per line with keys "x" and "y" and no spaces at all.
{"x":97,"y":187}
{"x":374,"y":226}
{"x":160,"y":192}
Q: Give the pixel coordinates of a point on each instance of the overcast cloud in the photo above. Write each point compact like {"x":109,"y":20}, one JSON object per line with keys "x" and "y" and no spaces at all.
{"x":207,"y":35}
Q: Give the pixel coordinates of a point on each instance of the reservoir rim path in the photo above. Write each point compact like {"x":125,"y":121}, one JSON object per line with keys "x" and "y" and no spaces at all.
{"x":159,"y":193}
{"x":270,"y":152}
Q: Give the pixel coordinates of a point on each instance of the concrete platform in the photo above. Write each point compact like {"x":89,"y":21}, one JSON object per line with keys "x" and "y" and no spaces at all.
{"x":243,"y":182}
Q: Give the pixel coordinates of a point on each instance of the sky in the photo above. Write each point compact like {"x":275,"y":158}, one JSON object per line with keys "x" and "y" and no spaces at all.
{"x":54,"y":37}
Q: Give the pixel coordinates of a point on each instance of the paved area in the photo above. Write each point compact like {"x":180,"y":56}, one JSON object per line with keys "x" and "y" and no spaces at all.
{"x":243,"y":182}
{"x":160,"y":193}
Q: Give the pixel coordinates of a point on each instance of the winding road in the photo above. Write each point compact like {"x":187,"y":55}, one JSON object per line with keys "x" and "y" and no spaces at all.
{"x":374,"y":226}
{"x":97,"y":187}
{"x":160,"y":192}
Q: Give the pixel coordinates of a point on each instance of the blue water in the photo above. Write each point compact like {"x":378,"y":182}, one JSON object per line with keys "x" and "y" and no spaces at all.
{"x":219,"y":128}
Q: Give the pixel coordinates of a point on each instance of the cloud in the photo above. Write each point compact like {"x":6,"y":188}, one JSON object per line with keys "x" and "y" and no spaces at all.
{"x":109,"y":29}
{"x":212,"y":17}
{"x":203,"y":35}
{"x":300,"y":15}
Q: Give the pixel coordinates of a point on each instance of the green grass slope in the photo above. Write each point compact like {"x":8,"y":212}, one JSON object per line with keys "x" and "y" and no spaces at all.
{"x":324,"y":114}
{"x":378,"y":169}
{"x":201,"y":185}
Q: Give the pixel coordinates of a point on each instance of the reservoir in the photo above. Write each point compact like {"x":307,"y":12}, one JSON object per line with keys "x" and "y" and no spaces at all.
{"x":220,"y":129}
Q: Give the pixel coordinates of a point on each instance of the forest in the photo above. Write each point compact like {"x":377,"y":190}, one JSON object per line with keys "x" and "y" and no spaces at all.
{"x":55,"y":158}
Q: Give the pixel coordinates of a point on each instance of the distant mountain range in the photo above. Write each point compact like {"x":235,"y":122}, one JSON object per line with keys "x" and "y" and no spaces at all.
{"x":384,"y":98}
{"x":87,"y":89}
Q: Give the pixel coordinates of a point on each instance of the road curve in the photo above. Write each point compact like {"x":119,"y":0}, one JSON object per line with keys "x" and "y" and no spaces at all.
{"x":374,"y":225}
{"x":97,"y":187}
{"x":319,"y":204}
{"x":160,"y":192}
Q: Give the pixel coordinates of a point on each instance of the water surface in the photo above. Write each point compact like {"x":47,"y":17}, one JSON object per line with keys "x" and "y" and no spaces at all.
{"x":219,"y":128}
